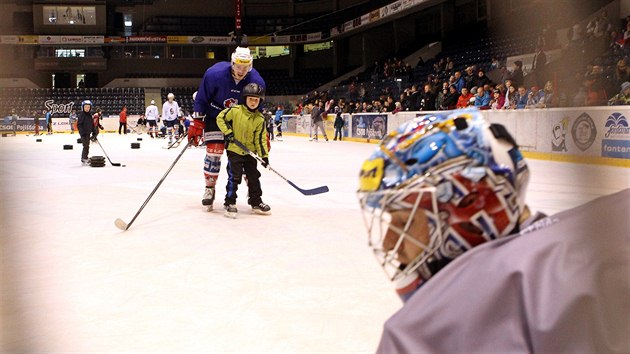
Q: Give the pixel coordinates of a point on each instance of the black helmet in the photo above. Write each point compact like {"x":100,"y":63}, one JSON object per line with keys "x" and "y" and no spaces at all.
{"x":255,"y":90}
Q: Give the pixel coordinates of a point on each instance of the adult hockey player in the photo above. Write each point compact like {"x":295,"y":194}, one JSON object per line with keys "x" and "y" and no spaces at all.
{"x":152,"y":115}
{"x":220,"y":88}
{"x":87,"y":129}
{"x":245,"y":123}
{"x":170,"y":114}
{"x":444,"y":199}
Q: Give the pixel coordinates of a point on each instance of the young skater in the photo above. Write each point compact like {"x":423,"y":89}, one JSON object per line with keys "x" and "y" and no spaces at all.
{"x":245,"y":124}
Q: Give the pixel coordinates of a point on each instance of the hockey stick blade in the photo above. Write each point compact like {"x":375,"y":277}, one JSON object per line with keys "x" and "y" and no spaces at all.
{"x":115,"y":164}
{"x":121,"y":224}
{"x":318,"y":190}
{"x":314,"y":191}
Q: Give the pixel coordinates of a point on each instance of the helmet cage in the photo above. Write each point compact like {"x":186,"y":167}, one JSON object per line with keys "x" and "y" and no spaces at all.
{"x":377,"y":219}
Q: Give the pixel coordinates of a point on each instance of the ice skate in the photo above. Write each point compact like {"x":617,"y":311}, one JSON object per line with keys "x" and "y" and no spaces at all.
{"x":262,"y":209}
{"x":85,"y":162}
{"x":230,"y":211}
{"x":208,"y":198}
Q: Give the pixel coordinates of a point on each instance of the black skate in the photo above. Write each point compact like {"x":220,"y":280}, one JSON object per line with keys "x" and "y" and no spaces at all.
{"x":208,"y":198}
{"x":262,"y":209}
{"x":230,"y":211}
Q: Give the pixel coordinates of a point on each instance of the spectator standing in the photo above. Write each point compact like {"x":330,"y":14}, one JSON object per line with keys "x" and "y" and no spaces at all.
{"x":481,"y":80}
{"x":122,"y":120}
{"x":460,"y":82}
{"x":539,"y":66}
{"x":338,"y":124}
{"x":516,"y":76}
{"x":317,"y":118}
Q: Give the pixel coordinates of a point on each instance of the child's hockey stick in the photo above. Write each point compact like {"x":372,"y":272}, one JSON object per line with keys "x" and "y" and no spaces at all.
{"x":318,"y":190}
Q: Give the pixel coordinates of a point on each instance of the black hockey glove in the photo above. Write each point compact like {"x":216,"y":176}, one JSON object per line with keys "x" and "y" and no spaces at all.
{"x":229,"y":137}
{"x":265,"y":162}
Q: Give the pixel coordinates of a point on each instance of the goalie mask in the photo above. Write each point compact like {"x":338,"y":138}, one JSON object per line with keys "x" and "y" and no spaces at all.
{"x":438,"y":186}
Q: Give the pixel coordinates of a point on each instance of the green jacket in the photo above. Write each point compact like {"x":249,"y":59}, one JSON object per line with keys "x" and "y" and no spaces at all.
{"x":248,"y":128}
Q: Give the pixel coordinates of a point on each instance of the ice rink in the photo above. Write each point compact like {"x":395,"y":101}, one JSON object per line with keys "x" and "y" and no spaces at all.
{"x":184,"y":280}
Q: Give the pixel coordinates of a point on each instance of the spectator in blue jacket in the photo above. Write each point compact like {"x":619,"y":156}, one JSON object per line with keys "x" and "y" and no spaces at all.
{"x":482,"y":99}
{"x":521,"y":97}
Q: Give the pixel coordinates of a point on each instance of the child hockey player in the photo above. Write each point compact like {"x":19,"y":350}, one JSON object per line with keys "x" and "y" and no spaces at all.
{"x":86,"y":126}
{"x":246,"y":124}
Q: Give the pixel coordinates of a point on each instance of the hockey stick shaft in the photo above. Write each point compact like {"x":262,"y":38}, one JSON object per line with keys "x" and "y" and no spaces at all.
{"x":117,"y":164}
{"x":125,"y":226}
{"x":318,"y":190}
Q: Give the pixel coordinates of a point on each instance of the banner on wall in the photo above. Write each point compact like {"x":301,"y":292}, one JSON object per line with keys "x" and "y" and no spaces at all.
{"x":303,"y":124}
{"x":369,"y":126}
{"x":616,"y":136}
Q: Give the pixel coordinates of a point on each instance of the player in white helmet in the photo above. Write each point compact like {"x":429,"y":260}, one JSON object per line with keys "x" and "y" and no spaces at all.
{"x":152,"y":115}
{"x":170,"y":113}
{"x":220,"y":88}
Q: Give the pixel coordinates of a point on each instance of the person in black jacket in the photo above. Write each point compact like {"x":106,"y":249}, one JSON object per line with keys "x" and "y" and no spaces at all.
{"x":85,"y":124}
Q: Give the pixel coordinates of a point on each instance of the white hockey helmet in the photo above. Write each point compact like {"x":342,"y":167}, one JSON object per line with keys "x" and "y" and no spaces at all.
{"x":194,"y":95}
{"x":170,"y":96}
{"x":242,"y":56}
{"x":152,"y":101}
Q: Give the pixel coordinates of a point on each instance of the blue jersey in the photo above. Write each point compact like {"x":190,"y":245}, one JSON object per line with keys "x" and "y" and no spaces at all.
{"x":279,"y":114}
{"x":218,"y":91}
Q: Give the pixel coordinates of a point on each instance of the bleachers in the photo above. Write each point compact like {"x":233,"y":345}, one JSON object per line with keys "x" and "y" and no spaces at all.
{"x":110,"y":100}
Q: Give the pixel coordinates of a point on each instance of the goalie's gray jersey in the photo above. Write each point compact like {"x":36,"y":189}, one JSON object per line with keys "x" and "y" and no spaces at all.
{"x":562,"y":286}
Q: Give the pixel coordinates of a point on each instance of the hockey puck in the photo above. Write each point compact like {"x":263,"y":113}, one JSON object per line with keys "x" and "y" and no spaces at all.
{"x":124,"y":165}
{"x":97,"y":164}
{"x":68,"y":147}
{"x":135,"y":145}
{"x":38,"y":140}
{"x":139,"y":139}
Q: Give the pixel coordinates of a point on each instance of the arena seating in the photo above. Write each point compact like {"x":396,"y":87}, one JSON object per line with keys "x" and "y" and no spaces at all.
{"x":109,"y":100}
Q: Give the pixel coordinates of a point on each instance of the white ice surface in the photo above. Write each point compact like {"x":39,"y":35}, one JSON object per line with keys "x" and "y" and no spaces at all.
{"x":183,"y":280}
